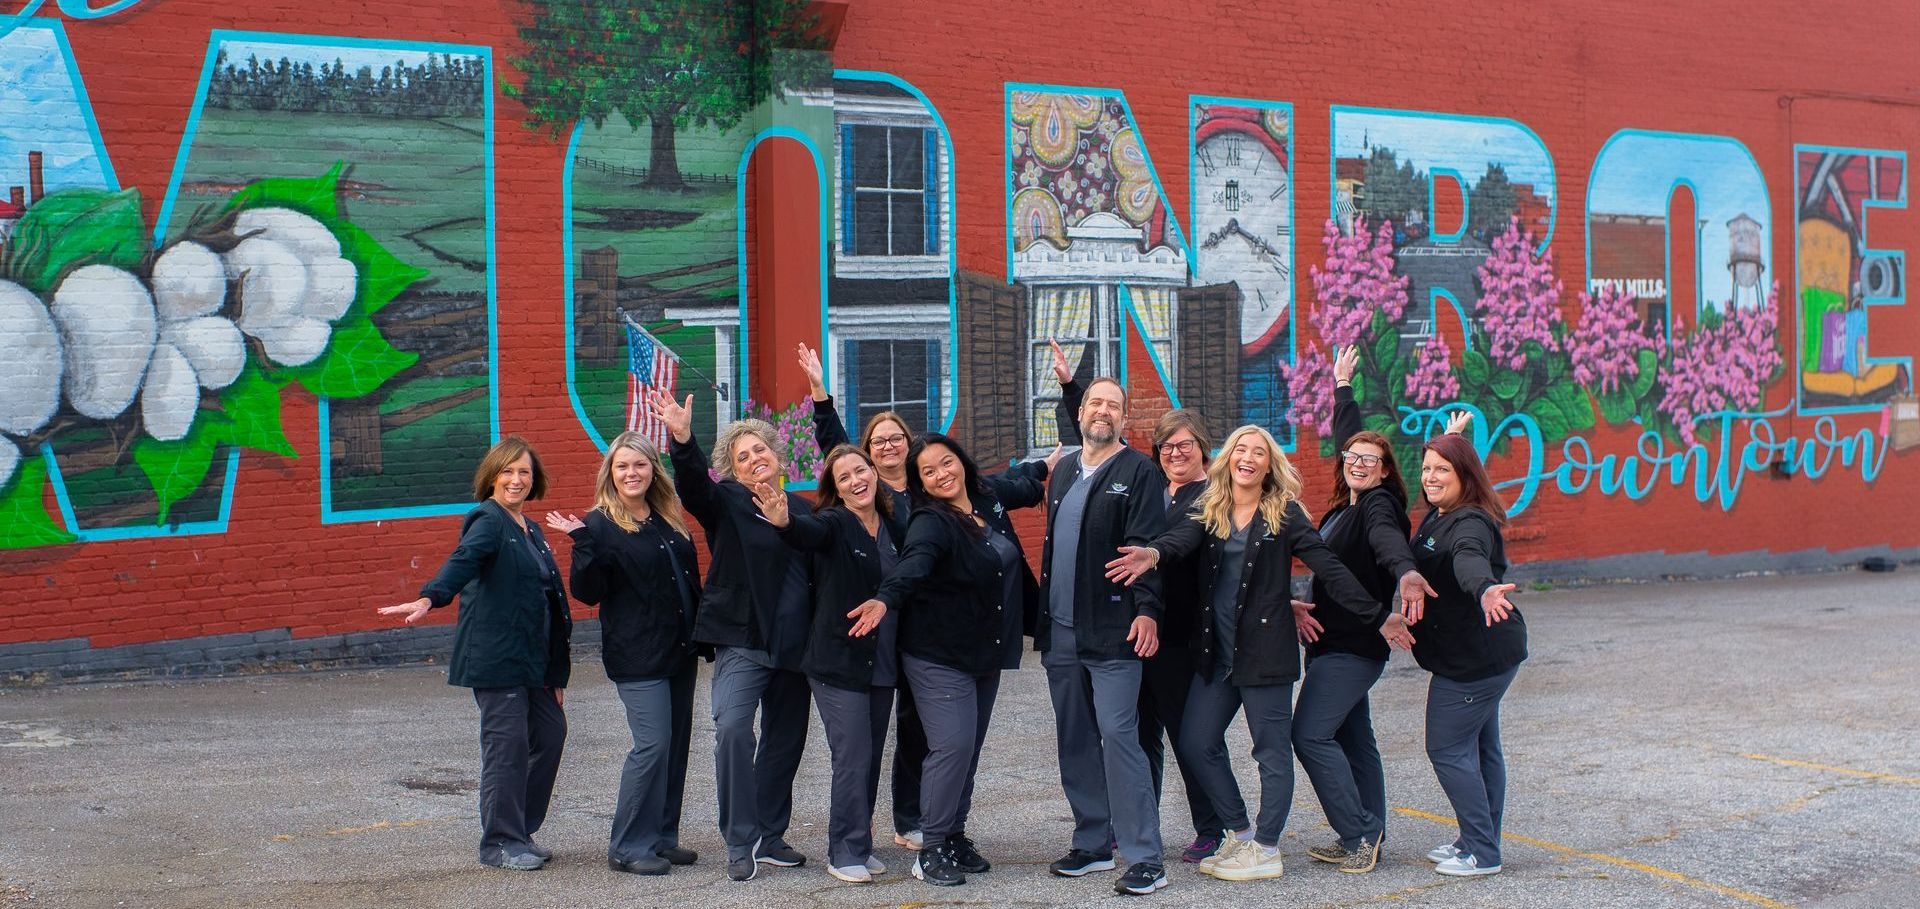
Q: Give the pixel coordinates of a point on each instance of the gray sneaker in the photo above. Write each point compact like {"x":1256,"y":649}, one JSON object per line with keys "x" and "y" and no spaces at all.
{"x":514,"y":861}
{"x":1332,"y":853}
{"x":1363,"y":858}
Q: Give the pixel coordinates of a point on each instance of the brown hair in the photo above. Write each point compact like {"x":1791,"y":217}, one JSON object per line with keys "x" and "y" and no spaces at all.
{"x":504,"y":452}
{"x":1476,"y":488}
{"x":661,"y":497}
{"x":1391,"y":480}
{"x":829,"y":492}
{"x":1175,"y":420}
{"x":873,"y":422}
{"x":1125,"y":398}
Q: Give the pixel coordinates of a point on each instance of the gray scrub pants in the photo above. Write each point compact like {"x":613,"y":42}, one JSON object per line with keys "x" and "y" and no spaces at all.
{"x":1333,"y":737}
{"x":1463,"y":742}
{"x":1103,"y":769}
{"x":856,"y":724}
{"x":756,"y":783}
{"x":955,"y":709}
{"x":1203,"y":743}
{"x":646,"y":818}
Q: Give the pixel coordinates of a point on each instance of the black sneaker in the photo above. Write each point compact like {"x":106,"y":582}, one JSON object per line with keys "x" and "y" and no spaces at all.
{"x":780,"y":855}
{"x":744,"y":868}
{"x":966,"y":857}
{"x":1079,"y":862}
{"x":679,"y":856}
{"x":1141,"y":879}
{"x":936,"y":866}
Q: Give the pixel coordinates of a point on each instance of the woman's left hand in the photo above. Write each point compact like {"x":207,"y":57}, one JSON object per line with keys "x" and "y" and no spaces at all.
{"x":1133,"y":562}
{"x":1305,"y":626}
{"x":1395,"y":630}
{"x":1144,"y":636}
{"x":866,"y":618}
{"x":559,"y":696}
{"x":564,"y":523}
{"x":1495,"y":603}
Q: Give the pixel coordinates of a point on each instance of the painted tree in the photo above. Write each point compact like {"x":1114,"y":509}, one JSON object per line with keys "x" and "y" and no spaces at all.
{"x":672,"y":64}
{"x":1491,"y":203}
{"x":1393,"y":190}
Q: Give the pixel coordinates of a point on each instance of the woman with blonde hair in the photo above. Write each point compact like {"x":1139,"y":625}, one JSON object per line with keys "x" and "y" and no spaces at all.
{"x":632,"y":558}
{"x":1244,"y":532}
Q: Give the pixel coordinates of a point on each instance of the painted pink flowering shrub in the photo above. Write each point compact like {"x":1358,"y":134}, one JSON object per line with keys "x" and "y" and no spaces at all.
{"x":1310,"y":387}
{"x":1355,"y":284}
{"x":1725,"y":363}
{"x":1431,"y":382}
{"x":793,"y":427}
{"x":1519,"y":299}
{"x":1605,"y":344}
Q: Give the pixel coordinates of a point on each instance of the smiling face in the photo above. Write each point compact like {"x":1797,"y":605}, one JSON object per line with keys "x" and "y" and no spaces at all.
{"x":1182,"y":459}
{"x":514,"y":481}
{"x":887,"y":445}
{"x":632,"y":475}
{"x":1101,"y":412}
{"x":1439,"y":481}
{"x":753,"y":461}
{"x":856,"y":481}
{"x":941,"y":472}
{"x":1249,"y":461}
{"x":1363,"y":463}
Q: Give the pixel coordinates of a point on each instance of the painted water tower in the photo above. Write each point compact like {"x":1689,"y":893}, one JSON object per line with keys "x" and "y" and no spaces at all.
{"x":1746,"y":249}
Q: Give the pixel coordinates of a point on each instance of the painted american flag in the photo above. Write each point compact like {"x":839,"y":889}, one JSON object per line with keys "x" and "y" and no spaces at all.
{"x":650,"y":367}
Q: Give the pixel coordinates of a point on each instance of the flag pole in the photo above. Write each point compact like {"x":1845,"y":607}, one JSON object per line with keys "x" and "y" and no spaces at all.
{"x":633,"y":323}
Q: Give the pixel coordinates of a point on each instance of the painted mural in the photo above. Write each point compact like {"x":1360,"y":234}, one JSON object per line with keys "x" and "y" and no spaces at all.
{"x":1841,"y":275}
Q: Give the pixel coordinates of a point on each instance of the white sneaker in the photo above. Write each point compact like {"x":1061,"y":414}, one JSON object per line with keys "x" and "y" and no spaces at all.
{"x":1251,"y":863}
{"x":875,"y":865}
{"x":914,"y":840}
{"x":852,"y":874}
{"x":1443,"y":852}
{"x":1464,"y":866}
{"x":1229,"y":845}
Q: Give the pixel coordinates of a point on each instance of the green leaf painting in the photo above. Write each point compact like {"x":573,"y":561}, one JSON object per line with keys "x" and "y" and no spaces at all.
{"x":252,"y":403}
{"x":24,"y":521}
{"x":358,"y":361}
{"x":176,"y":469}
{"x":77,"y":227}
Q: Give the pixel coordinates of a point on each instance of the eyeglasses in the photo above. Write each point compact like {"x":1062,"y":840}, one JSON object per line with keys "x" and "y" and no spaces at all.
{"x":1183,"y":447}
{"x":1364,"y":460}
{"x":886,"y":441}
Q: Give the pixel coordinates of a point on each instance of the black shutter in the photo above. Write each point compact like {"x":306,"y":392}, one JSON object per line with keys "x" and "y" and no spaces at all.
{"x":990,"y":416}
{"x":1209,"y":368}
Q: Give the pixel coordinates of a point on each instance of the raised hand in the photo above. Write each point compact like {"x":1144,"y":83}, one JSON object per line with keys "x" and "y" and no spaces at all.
{"x":413,"y":611}
{"x":1144,"y":636}
{"x":1061,"y":370}
{"x":564,"y":523}
{"x":773,"y":504}
{"x":810,"y":364}
{"x":1395,"y":630}
{"x":1414,"y":591}
{"x":678,"y":417}
{"x":1346,"y":364}
{"x":1053,"y":460}
{"x":1305,"y":626}
{"x":1133,"y":562}
{"x":1458,"y":421}
{"x":1495,"y":603}
{"x":867,"y":617}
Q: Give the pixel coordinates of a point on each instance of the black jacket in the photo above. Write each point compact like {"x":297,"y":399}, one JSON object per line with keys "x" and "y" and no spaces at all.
{"x":948,"y":587}
{"x":828,"y":432}
{"x":1266,"y":643}
{"x":749,"y":560}
{"x":1180,"y":580}
{"x":1126,"y":506}
{"x":511,"y":632}
{"x":1371,"y":540}
{"x":846,"y":573}
{"x":644,"y":631}
{"x":1461,"y":554}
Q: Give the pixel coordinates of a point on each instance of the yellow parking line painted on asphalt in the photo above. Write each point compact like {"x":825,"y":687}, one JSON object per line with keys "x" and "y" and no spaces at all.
{"x":1848,"y":771}
{"x":1642,"y":867}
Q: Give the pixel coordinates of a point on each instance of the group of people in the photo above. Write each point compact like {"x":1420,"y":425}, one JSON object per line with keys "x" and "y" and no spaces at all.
{"x":902,"y":591}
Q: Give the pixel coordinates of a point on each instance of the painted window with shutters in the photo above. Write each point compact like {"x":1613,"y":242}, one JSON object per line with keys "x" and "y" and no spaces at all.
{"x":1089,"y":321}
{"x":889,"y":191}
{"x":901,"y":376}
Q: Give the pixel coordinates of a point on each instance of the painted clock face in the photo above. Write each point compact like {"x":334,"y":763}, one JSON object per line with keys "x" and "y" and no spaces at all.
{"x":1243,"y":226}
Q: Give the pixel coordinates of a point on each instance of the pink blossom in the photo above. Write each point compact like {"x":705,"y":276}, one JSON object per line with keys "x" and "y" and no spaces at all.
{"x":1432,"y":382}
{"x":1519,"y":298}
{"x":1722,"y":367}
{"x":1310,"y":387}
{"x":1606,"y":343}
{"x":1355,"y":282}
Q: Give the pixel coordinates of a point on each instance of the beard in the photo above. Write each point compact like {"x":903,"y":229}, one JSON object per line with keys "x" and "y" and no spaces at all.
{"x":1101,"y":433}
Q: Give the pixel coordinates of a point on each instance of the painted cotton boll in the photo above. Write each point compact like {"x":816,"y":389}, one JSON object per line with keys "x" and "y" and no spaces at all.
{"x":297,"y":343}
{"x":273,"y":284}
{"x":289,"y":228}
{"x":9,"y":461}
{"x":188,"y":280}
{"x":107,"y":328}
{"x":29,"y":361}
{"x":213,"y":345}
{"x":330,"y":288}
{"x":171,"y":396}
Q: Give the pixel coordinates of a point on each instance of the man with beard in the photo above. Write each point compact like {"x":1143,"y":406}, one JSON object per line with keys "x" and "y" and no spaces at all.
{"x":1093,"y":633}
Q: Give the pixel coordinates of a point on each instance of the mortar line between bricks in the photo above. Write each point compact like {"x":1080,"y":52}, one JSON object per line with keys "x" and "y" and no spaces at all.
{"x":1829,"y":768}
{"x":1745,"y":896}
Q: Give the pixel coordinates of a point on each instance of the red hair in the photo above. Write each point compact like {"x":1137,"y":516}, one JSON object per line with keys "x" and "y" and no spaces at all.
{"x":1476,"y":488}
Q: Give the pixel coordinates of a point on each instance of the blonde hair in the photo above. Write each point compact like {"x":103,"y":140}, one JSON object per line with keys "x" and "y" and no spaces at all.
{"x":661,"y":497}
{"x":1278,"y":489}
{"x":723,"y":446}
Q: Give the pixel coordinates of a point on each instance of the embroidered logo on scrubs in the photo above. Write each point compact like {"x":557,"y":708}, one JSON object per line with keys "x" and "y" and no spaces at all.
{"x":1118,"y":489}
{"x":999,"y":509}
{"x":1428,"y":544}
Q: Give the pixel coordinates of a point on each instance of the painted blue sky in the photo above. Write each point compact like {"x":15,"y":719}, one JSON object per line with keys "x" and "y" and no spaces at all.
{"x":354,"y":55}
{"x":1635,"y":174}
{"x":40,"y":110}
{"x":1466,"y":146}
